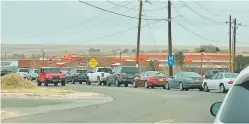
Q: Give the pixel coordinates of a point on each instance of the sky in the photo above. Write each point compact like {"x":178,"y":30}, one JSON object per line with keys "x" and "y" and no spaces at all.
{"x":75,"y":23}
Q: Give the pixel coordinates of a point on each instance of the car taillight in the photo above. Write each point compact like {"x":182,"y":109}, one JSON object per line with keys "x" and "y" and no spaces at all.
{"x":102,"y":74}
{"x":153,"y":78}
{"x":230,"y":82}
{"x":121,"y":75}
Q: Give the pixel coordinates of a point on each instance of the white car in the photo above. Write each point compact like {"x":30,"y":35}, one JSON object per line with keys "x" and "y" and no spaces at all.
{"x":23,"y":72}
{"x":234,"y":108}
{"x":222,"y":81}
{"x":99,"y":75}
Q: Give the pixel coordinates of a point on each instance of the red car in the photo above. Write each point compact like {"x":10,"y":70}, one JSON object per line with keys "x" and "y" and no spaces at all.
{"x":150,"y":79}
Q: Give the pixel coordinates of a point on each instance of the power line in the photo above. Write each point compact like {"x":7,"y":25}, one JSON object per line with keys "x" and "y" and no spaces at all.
{"x":120,"y":32}
{"x":133,"y":17}
{"x":190,"y":22}
{"x":199,"y":13}
{"x":133,"y":8}
{"x":196,"y":33}
{"x":206,"y":9}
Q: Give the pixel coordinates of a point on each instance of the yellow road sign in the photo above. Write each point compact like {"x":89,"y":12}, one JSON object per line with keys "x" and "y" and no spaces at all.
{"x":93,"y":62}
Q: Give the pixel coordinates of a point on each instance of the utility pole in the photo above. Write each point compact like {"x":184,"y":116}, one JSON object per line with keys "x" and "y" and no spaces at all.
{"x":230,"y":43}
{"x":138,"y":34}
{"x":120,"y":59}
{"x":234,"y":42}
{"x":169,"y":36}
{"x":43,"y":55}
{"x":201,"y":65}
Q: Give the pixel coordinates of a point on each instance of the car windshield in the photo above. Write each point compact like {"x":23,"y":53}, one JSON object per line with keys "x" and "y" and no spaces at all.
{"x":190,"y":74}
{"x":155,"y":73}
{"x":215,"y":72}
{"x":81,"y":71}
{"x":129,"y":69}
{"x":36,"y":71}
{"x":107,"y":70}
{"x":236,"y":109}
{"x":231,"y":75}
{"x":24,"y":70}
{"x":51,"y":70}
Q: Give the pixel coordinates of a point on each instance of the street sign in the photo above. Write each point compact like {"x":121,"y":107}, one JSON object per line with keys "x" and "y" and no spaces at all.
{"x":171,"y":60}
{"x":93,"y":62}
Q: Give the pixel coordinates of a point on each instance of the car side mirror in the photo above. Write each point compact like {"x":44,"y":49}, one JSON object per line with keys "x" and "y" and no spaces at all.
{"x":215,"y":108}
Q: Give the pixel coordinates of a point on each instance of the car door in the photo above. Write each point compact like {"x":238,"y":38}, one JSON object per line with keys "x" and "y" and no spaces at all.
{"x":172,"y":80}
{"x":212,"y":82}
{"x":138,"y":80}
{"x":218,"y":81}
{"x":91,"y":75}
{"x":111,"y":77}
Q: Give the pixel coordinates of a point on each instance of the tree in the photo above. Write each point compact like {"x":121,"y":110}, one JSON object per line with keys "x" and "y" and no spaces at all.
{"x":208,"y":49}
{"x":179,"y":58}
{"x":241,"y":62}
{"x":151,"y":66}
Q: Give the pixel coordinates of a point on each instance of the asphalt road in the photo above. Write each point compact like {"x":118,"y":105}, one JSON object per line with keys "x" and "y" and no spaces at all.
{"x":133,"y":105}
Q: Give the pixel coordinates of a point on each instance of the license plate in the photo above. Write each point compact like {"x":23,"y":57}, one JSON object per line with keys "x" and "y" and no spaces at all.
{"x":160,"y":79}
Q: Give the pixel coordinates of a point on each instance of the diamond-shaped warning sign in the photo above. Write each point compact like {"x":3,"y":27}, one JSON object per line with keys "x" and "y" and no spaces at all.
{"x":93,"y":62}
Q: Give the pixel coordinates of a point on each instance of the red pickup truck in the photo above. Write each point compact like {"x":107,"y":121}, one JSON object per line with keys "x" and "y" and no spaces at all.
{"x":51,"y":75}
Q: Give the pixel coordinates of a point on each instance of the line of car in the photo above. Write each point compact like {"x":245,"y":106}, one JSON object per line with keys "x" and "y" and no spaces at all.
{"x":129,"y":75}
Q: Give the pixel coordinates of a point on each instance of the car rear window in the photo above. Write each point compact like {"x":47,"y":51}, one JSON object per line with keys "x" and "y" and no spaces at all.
{"x":190,"y":74}
{"x":81,"y":71}
{"x":129,"y":69}
{"x":231,"y":75}
{"x":155,"y":73}
{"x":24,"y":70}
{"x":107,"y":70}
{"x":51,"y":70}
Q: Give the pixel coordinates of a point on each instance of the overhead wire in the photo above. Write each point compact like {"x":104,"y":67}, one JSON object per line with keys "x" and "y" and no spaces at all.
{"x":207,"y":9}
{"x":116,"y":33}
{"x":133,"y":17}
{"x":199,"y":13}
{"x":190,"y":22}
{"x":204,"y":38}
{"x":134,"y":8}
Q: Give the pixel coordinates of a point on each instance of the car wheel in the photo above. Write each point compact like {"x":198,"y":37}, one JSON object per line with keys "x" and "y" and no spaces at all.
{"x":167,"y":86}
{"x":80,"y":82}
{"x":181,"y":87}
{"x":134,"y":84}
{"x":104,"y":83}
{"x":126,"y":85}
{"x":55,"y":84}
{"x":206,"y":88}
{"x":117,"y":83}
{"x":186,"y":89}
{"x":146,"y":84}
{"x":88,"y":82}
{"x":98,"y":81}
{"x":201,"y":89}
{"x":39,"y":83}
{"x":45,"y":83}
{"x":73,"y":81}
{"x":63,"y":83}
{"x":222,"y":88}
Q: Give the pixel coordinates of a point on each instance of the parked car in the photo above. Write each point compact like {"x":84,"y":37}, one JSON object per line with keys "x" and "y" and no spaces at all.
{"x":51,"y":75}
{"x":5,"y":71}
{"x":99,"y":75}
{"x":150,"y":79}
{"x":122,"y":75}
{"x":23,"y":72}
{"x":78,"y":75}
{"x":208,"y":74}
{"x":234,"y":108}
{"x":33,"y":74}
{"x":185,"y":81}
{"x":221,"y":81}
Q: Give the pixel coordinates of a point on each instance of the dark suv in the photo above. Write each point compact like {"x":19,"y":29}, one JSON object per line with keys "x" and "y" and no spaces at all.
{"x":78,"y":75}
{"x":122,"y":75}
